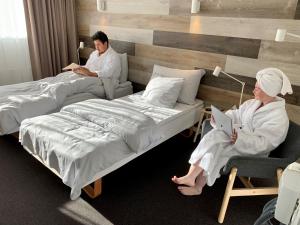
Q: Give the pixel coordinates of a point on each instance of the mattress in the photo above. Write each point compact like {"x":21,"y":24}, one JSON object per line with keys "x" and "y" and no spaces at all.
{"x":36,"y":136}
{"x":170,"y":122}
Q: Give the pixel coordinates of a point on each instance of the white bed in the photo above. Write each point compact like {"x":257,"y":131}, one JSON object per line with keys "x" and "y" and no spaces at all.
{"x":81,"y":144}
{"x":30,"y":99}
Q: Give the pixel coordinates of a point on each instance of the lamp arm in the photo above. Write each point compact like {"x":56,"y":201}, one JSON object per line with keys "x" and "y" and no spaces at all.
{"x":242,"y":92}
{"x":78,"y":57}
{"x":241,"y":82}
{"x":293,"y":35}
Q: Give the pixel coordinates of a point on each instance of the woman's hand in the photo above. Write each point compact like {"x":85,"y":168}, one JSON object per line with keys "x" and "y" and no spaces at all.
{"x":233,"y":137}
{"x":212,"y":119}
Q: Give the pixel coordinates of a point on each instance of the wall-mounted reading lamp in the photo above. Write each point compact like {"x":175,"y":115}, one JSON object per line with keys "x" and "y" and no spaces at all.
{"x":195,"y":6}
{"x":81,"y":46}
{"x":101,"y":5}
{"x":219,"y":70}
{"x":281,"y":33}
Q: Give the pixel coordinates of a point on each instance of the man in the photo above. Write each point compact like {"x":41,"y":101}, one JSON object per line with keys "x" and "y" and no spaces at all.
{"x":104,"y":62}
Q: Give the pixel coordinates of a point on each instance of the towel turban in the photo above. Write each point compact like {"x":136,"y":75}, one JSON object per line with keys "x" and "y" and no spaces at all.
{"x":273,"y":82}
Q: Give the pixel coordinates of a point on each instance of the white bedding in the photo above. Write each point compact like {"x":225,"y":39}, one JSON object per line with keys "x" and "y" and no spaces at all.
{"x":93,"y":136}
{"x":26,"y":100}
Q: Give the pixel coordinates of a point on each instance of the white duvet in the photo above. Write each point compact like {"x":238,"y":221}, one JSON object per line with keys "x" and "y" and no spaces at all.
{"x":87,"y":137}
{"x":26,"y":100}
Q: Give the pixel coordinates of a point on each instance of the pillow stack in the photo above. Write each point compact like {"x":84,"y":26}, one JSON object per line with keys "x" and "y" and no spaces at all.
{"x":169,"y":85}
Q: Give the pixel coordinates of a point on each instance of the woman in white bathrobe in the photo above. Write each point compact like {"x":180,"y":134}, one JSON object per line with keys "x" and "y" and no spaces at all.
{"x":261,"y":125}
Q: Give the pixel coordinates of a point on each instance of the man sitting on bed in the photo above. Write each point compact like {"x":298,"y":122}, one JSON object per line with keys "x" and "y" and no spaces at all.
{"x":104,"y":62}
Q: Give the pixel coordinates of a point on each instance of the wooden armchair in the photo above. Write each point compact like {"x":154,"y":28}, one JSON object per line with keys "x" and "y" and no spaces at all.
{"x":247,"y":167}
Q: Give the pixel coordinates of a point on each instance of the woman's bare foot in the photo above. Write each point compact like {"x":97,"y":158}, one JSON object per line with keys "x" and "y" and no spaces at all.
{"x":185,"y":180}
{"x":190,"y":191}
{"x":195,"y":190}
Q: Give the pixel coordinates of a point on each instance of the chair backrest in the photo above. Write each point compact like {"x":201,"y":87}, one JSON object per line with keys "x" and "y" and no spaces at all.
{"x":290,"y":148}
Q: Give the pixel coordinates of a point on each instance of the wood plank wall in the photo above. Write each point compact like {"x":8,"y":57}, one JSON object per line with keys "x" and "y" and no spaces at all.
{"x":236,"y":35}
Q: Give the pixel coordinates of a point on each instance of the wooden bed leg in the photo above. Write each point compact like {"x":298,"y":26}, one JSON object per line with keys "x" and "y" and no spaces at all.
{"x":15,"y":135}
{"x":227,"y":194}
{"x":95,"y":191}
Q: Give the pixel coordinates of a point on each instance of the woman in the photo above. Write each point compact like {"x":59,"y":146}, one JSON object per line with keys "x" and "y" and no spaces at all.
{"x":262,"y":125}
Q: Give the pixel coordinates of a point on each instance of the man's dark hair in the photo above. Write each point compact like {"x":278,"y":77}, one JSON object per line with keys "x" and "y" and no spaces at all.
{"x":101,"y":36}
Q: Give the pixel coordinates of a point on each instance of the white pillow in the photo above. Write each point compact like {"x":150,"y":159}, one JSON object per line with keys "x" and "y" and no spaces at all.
{"x":124,"y":68}
{"x":191,"y":81}
{"x":163,"y":91}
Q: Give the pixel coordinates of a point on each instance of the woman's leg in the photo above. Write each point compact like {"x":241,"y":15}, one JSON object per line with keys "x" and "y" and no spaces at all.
{"x":197,"y":189}
{"x":190,"y":177}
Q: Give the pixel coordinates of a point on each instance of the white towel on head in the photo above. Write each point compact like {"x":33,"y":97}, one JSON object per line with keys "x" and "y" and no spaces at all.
{"x":273,"y":81}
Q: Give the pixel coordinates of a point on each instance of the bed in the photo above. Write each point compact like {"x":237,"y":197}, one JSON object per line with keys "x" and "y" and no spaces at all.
{"x":87,"y":140}
{"x":26,"y":100}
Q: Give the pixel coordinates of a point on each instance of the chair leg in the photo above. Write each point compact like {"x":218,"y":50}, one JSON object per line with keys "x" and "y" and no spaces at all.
{"x":279,"y":174}
{"x":199,"y":125}
{"x":226,"y":197}
{"x":95,"y":191}
{"x":247,"y":183}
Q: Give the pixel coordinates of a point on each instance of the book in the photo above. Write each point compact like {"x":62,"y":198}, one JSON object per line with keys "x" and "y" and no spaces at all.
{"x":222,"y":121}
{"x":71,"y":66}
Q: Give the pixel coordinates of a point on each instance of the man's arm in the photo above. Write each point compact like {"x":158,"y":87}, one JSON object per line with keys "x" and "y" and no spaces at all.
{"x":85,"y":71}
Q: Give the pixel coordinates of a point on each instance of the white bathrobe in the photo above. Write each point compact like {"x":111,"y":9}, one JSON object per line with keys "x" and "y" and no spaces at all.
{"x":259,"y":132}
{"x":108,"y":68}
{"x":106,"y":65}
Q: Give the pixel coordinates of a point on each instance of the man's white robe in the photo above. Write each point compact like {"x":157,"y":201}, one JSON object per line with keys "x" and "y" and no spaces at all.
{"x":260,"y":130}
{"x":108,"y":68}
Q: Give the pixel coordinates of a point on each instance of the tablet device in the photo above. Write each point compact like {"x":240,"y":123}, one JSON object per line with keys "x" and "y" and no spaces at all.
{"x":222,"y":121}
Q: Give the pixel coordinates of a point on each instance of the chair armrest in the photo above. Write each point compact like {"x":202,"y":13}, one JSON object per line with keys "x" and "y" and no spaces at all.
{"x":206,"y":127}
{"x":254,"y":166}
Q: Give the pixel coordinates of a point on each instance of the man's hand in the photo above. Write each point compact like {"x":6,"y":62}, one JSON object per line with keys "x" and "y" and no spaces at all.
{"x":84,"y":71}
{"x":233,"y":137}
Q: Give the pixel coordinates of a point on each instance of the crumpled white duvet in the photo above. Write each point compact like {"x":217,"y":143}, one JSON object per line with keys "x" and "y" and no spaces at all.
{"x":86,"y":138}
{"x":26,"y":100}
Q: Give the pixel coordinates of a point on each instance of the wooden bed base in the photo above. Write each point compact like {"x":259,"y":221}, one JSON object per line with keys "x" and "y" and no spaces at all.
{"x":15,"y":135}
{"x":94,"y":190}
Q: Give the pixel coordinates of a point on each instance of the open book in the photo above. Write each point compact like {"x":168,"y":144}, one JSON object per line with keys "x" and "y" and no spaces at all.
{"x":71,"y":66}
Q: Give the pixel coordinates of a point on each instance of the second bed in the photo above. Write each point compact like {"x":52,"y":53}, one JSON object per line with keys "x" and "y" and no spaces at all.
{"x":87,"y":140}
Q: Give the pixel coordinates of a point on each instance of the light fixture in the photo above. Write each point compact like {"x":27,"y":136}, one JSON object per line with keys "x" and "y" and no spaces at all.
{"x":281,"y":33}
{"x":81,"y":46}
{"x":101,"y":5}
{"x":195,"y":6}
{"x":219,"y":70}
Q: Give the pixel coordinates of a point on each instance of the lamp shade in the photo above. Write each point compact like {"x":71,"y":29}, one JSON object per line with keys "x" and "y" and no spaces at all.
{"x":101,"y":5}
{"x":81,"y":44}
{"x":217,"y":71}
{"x":280,"y":35}
{"x":195,"y":6}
